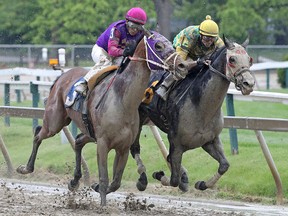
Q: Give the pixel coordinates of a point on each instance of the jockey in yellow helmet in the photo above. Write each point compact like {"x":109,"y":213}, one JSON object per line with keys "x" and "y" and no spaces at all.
{"x":194,"y":43}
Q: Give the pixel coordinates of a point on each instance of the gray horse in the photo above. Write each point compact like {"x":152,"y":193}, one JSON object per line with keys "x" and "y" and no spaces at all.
{"x":112,"y":110}
{"x":192,"y":117}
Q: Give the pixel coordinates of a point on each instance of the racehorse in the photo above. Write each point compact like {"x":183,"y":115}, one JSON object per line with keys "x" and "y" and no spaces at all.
{"x":112,"y":108}
{"x":191,"y":117}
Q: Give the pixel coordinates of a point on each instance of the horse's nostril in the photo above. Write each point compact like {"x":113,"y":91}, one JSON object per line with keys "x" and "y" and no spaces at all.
{"x":181,"y":66}
{"x":245,"y":83}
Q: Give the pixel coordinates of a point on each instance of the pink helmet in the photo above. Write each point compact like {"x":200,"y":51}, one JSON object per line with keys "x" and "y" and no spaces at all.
{"x":137,"y":15}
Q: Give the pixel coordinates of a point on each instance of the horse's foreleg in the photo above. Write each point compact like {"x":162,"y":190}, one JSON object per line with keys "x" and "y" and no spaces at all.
{"x":29,"y":168}
{"x":102,"y":157}
{"x":80,"y":142}
{"x":135,"y":152}
{"x":142,"y":181}
{"x":175,"y":159}
{"x":183,"y":185}
{"x":120,"y":162}
{"x":215,"y":149}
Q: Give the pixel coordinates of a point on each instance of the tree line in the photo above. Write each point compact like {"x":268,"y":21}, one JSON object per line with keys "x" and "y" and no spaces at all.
{"x":81,"y":22}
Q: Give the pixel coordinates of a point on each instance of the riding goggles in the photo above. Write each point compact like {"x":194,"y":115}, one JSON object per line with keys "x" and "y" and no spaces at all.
{"x":208,"y":38}
{"x":134,"y":26}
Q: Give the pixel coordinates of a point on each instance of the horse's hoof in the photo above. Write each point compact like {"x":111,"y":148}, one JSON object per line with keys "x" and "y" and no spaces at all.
{"x":72,"y":186}
{"x":23,"y":170}
{"x":140,"y":186}
{"x":158,"y":175}
{"x":174,"y":180}
{"x":142,"y":182}
{"x":174,"y":183}
{"x":184,"y":183}
{"x":184,"y":187}
{"x":200,"y":185}
{"x":95,"y":187}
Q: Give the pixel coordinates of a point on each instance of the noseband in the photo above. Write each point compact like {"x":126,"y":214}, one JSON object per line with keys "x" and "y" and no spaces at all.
{"x":157,"y":62}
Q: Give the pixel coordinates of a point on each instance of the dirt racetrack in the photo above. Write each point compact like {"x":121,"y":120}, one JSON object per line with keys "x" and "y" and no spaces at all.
{"x":23,"y":198}
{"x":31,"y":198}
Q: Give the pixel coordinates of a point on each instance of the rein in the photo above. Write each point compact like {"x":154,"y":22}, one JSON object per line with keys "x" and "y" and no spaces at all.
{"x":159,"y":63}
{"x":218,"y":72}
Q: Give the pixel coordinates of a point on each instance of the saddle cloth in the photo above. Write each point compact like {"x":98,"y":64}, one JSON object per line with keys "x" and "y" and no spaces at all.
{"x":74,"y":98}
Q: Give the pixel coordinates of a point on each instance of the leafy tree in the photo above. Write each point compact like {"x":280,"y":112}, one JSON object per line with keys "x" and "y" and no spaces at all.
{"x":193,"y":12}
{"x":15,"y":17}
{"x":164,"y":11}
{"x":75,"y":22}
{"x":81,"y":22}
{"x":282,"y":74}
{"x":262,"y":20}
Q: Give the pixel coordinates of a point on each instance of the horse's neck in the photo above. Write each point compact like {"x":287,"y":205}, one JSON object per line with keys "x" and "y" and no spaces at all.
{"x":215,"y":91}
{"x":134,"y":80}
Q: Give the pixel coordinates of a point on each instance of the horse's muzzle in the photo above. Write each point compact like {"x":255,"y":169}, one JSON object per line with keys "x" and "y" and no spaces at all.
{"x":181,"y":70}
{"x":247,"y":83}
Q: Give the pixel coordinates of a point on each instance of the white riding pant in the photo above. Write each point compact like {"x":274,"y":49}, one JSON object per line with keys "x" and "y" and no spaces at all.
{"x":101,"y":59}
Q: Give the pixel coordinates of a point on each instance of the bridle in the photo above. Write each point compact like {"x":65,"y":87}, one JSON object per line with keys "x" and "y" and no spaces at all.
{"x":154,"y":61}
{"x":231,"y":76}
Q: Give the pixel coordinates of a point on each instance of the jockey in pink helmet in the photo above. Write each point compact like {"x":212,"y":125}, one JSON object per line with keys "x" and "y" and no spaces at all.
{"x":110,"y":46}
{"x":137,"y":15}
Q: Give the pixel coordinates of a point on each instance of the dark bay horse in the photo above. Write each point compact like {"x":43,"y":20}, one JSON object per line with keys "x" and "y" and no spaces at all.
{"x":191,"y":117}
{"x":112,"y":108}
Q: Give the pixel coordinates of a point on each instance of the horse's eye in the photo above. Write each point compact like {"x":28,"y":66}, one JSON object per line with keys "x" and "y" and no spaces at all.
{"x":232,"y":60}
{"x":159,"y":46}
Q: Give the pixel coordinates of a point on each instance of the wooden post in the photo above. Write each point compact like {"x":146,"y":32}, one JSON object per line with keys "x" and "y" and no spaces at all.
{"x":286,"y":77}
{"x":271,"y":165}
{"x":18,"y":91}
{"x":7,"y":101}
{"x":6,"y":156}
{"x":232,"y":131}
{"x":267,"y":79}
{"x":35,"y":100}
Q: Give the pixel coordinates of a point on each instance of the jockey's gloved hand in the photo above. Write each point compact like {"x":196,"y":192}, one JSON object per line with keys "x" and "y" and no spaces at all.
{"x":200,"y":61}
{"x":130,"y":48}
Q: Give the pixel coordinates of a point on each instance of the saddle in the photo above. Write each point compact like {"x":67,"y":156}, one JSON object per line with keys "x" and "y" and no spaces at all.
{"x":100,"y":75}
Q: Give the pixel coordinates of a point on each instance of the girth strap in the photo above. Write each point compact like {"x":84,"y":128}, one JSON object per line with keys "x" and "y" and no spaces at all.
{"x":86,"y":120}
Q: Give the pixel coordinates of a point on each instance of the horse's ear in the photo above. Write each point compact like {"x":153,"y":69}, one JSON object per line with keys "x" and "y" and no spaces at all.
{"x":245,"y":43}
{"x":227,"y":43}
{"x":157,"y":27}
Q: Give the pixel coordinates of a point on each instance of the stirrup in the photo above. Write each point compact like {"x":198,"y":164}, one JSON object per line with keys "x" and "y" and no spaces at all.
{"x":162,"y":92}
{"x":81,"y":88}
{"x":70,"y":101}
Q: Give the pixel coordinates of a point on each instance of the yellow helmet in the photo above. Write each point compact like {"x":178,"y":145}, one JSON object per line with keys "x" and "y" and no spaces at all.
{"x":208,"y":27}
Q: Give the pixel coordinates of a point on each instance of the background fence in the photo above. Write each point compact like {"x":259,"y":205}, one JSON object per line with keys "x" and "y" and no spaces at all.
{"x":80,"y":55}
{"x":31,"y":55}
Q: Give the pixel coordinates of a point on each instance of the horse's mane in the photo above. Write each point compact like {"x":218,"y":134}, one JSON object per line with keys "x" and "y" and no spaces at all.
{"x":195,"y":70}
{"x":197,"y":78}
